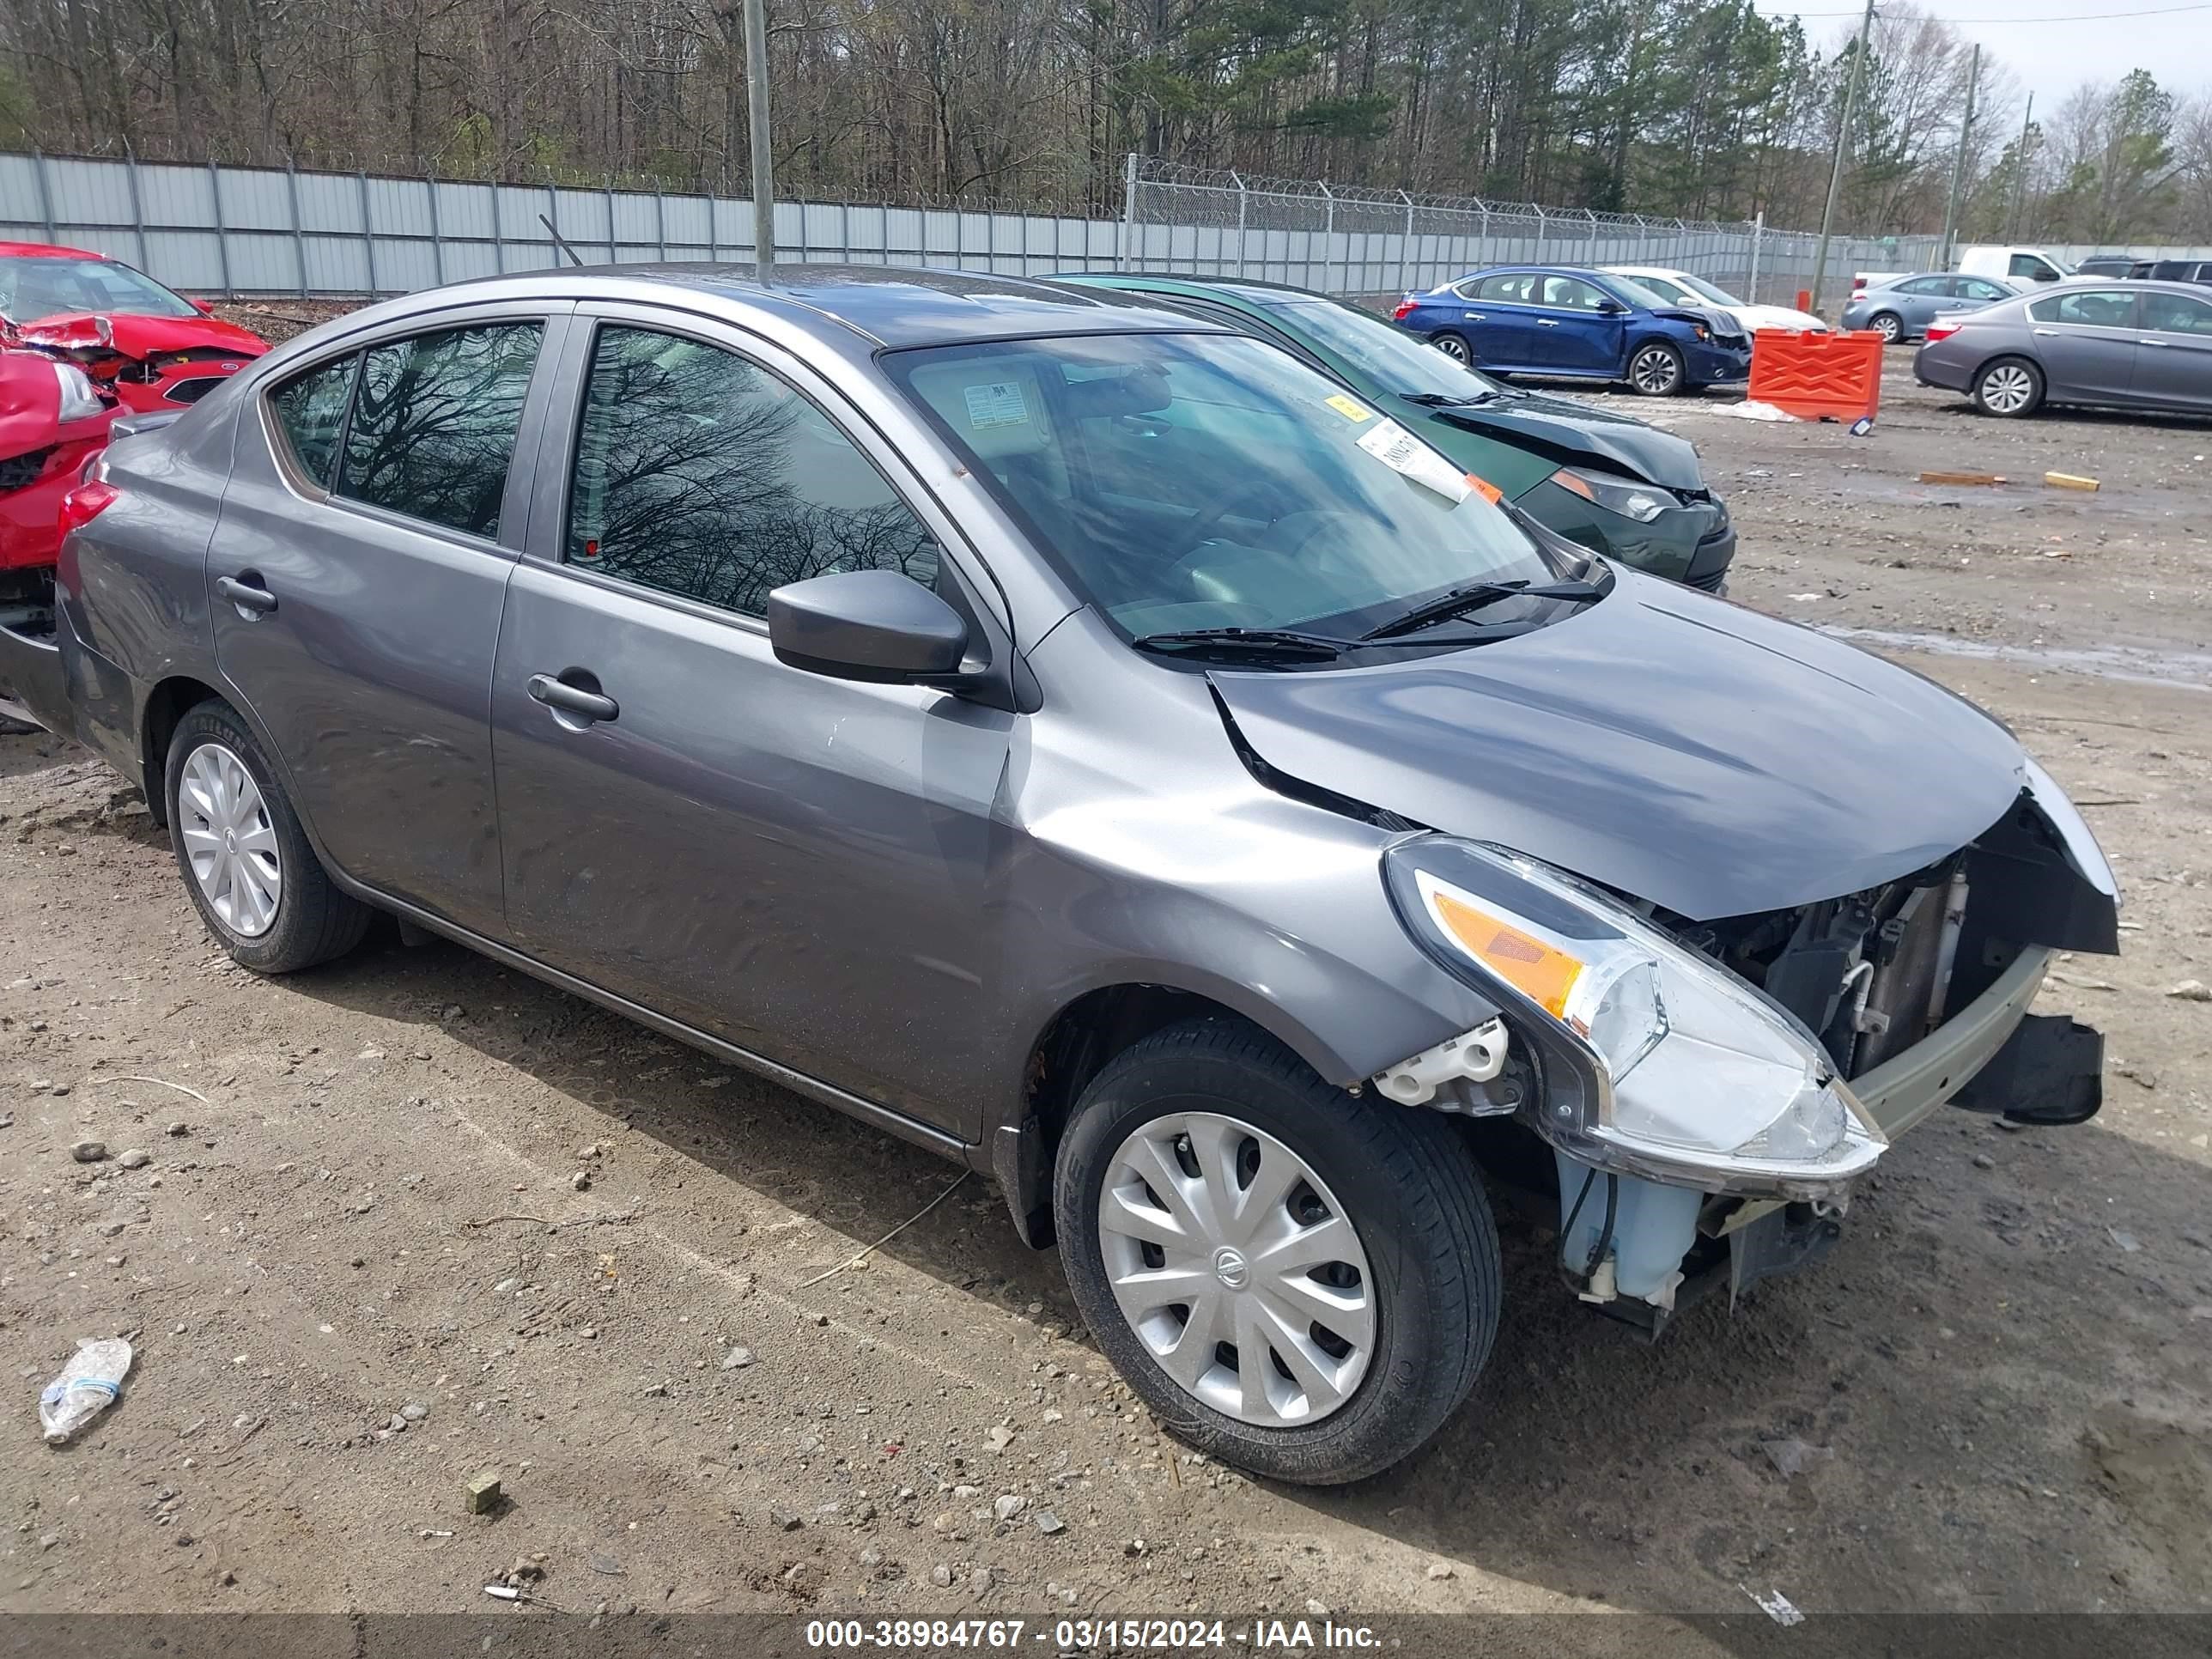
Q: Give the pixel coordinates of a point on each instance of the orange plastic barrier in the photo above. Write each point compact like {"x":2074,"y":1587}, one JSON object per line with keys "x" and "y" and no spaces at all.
{"x":1815,"y":375}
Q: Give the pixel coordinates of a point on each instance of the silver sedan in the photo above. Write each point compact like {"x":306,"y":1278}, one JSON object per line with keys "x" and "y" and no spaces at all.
{"x":1902,"y":309}
{"x":2126,"y":345}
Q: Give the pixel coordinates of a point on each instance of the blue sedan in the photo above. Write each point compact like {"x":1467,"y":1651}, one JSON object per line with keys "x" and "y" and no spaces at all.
{"x":1581,"y":326}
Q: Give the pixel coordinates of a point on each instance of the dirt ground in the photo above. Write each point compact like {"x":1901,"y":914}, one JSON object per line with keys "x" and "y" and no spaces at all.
{"x":359,"y":1265}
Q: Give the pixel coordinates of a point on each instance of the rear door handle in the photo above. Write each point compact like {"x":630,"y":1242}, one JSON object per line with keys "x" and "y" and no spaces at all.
{"x":2046,"y":330}
{"x":244,"y":591}
{"x":587,"y":706}
{"x":2146,"y":340}
{"x":1547,"y":322}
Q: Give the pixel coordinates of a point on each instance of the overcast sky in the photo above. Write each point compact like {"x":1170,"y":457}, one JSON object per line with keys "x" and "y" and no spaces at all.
{"x":2051,"y":59}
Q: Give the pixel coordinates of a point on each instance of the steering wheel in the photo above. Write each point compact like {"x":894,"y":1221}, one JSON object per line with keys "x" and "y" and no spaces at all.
{"x":1310,"y":522}
{"x":1201,"y":524}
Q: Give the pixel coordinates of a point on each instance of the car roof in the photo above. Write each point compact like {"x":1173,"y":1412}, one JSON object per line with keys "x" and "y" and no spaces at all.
{"x":46,"y":250}
{"x":1257,"y":290}
{"x":892,"y":306}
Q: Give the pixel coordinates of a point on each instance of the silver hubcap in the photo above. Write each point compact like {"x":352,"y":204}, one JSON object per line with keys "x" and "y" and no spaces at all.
{"x":1236,"y":1269}
{"x":1888,"y":327}
{"x":1452,"y":346}
{"x":2007,"y":388}
{"x":228,"y":840}
{"x":1654,"y":370}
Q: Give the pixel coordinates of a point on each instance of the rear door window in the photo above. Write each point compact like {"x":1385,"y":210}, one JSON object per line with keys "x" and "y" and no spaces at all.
{"x":310,"y":411}
{"x":2095,"y":307}
{"x":435,"y":422}
{"x":700,"y":473}
{"x":1507,"y":289}
{"x":1926,"y":285}
{"x":2177,"y":313}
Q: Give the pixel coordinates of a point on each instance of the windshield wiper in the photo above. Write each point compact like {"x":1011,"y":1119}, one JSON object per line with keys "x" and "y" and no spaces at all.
{"x":1446,"y":399}
{"x":1283,"y":643}
{"x":1463,"y":601}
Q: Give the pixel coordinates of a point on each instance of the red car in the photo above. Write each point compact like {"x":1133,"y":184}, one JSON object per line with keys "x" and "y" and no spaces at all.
{"x":142,"y":347}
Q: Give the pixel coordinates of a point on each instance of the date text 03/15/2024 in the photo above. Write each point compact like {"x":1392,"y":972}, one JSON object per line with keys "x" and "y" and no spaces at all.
{"x":1089,"y":1635}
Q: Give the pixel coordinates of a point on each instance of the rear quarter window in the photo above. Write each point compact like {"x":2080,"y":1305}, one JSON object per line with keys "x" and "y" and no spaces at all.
{"x":309,"y":411}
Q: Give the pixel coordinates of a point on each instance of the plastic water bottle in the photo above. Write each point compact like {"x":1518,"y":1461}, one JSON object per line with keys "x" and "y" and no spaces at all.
{"x":1862,"y":426}
{"x":87,"y":1387}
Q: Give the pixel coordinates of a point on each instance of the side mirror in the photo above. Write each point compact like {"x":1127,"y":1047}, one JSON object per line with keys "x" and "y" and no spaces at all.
{"x":873,"y":625}
{"x":205,"y":307}
{"x":1610,"y":309}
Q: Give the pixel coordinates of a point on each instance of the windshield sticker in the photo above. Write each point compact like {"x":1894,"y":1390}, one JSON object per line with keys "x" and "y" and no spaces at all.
{"x":1489,"y":491}
{"x":1352,"y":412}
{"x":999,"y":403}
{"x":1401,"y":452}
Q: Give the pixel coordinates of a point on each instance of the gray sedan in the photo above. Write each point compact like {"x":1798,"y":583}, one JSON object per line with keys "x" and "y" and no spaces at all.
{"x":1901,"y":310}
{"x":1091,"y":745}
{"x":2131,"y":346}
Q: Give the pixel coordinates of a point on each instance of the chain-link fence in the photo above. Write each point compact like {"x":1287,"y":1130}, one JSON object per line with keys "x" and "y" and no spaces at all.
{"x":239,"y":230}
{"x":1341,"y":240}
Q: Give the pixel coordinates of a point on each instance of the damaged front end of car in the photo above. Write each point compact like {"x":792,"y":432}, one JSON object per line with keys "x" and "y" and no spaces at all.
{"x":145,"y":364}
{"x":1709,"y":1092}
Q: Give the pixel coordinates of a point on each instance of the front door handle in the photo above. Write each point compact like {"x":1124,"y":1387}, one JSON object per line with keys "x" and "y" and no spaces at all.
{"x":2046,"y":330}
{"x":2148,"y":340}
{"x":1547,"y":322}
{"x":587,"y":705}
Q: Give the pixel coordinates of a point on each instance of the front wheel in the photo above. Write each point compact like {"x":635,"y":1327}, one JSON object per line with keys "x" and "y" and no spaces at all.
{"x":246,"y":862}
{"x":1300,"y":1282}
{"x":1454,"y":346}
{"x":1656,"y":370}
{"x":2009,"y":387}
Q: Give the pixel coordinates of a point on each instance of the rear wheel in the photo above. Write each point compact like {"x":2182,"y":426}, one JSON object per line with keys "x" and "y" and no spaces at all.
{"x":1890,"y":326}
{"x":246,"y":863}
{"x":1300,"y":1282}
{"x":1655,"y":369}
{"x":1454,"y":346}
{"x":2009,"y":387}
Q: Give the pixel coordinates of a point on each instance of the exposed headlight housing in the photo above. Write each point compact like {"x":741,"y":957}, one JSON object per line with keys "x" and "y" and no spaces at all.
{"x":79,"y":401}
{"x":1656,"y":1061}
{"x":1639,"y":501}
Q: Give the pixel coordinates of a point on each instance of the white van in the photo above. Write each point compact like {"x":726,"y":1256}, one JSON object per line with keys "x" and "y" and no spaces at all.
{"x":2019,"y":264}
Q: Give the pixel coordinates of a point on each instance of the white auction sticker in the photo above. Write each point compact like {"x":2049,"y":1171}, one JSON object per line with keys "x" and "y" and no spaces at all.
{"x":999,"y":403}
{"x":1401,"y":452}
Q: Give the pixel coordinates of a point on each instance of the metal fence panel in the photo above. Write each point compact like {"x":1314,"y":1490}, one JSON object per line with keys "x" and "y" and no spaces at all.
{"x":265,"y":230}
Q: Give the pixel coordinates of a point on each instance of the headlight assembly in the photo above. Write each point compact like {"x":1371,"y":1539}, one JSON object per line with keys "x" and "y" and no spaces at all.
{"x":1641,"y":503}
{"x":1656,"y":1059}
{"x":79,"y":402}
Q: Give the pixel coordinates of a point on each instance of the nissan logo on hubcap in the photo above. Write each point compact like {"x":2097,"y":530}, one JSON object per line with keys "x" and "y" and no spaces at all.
{"x":1229,"y":1268}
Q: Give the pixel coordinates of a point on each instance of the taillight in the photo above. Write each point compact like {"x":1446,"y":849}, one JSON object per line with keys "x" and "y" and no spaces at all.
{"x":1941,"y":332}
{"x":85,"y":503}
{"x":1405,"y":306}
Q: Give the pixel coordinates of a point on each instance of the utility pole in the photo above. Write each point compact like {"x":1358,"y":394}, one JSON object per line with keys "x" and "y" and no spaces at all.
{"x":2020,"y":168}
{"x":1958,"y":162}
{"x":764,"y":157}
{"x":1843,"y":142}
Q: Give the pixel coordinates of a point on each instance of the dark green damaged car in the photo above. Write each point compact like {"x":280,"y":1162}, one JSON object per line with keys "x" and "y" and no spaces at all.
{"x":1616,"y":484}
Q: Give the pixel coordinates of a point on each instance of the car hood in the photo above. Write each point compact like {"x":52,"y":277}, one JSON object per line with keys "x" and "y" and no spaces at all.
{"x":141,"y":336}
{"x":1758,"y":317}
{"x":1567,"y":431}
{"x":1671,"y":746}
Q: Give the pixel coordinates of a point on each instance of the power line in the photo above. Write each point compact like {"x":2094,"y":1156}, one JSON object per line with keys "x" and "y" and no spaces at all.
{"x":2070,"y":17}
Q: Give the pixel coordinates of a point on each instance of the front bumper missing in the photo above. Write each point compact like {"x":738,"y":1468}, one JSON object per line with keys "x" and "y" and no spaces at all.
{"x":1991,"y":1057}
{"x":1902,"y":1091}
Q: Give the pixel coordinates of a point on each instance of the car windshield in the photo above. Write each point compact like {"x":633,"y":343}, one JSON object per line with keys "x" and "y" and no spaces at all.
{"x":40,"y":285}
{"x":1395,"y":358}
{"x":1202,"y":481}
{"x":1703,"y":289}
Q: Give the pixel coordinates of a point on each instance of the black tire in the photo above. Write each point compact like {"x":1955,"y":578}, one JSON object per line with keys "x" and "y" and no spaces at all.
{"x":1889,"y":326}
{"x":1994,"y":383}
{"x":314,"y":922}
{"x":1402,"y":1177}
{"x":1454,"y":345}
{"x":1656,"y":370}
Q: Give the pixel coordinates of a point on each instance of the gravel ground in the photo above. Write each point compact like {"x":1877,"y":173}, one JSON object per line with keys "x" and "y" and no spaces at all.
{"x":412,"y":1217}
